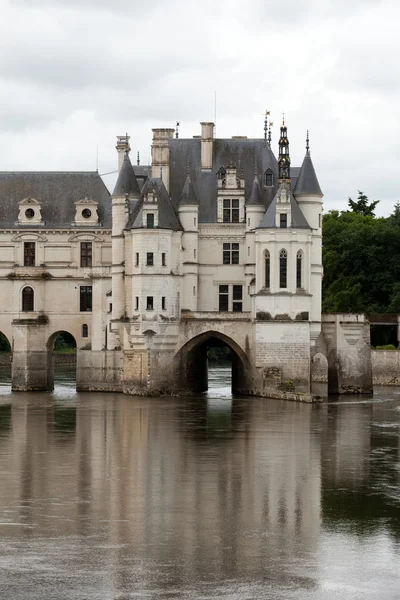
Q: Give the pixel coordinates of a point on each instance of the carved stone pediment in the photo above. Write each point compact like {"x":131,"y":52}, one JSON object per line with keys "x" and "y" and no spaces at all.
{"x":29,"y":212}
{"x":86,"y":212}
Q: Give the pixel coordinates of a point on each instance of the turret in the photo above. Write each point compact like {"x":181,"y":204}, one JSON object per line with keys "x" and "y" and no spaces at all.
{"x":254,"y":206}
{"x":189,"y":217}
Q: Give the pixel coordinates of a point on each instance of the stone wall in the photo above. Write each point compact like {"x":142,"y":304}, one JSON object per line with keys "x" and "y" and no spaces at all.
{"x":386,"y":367}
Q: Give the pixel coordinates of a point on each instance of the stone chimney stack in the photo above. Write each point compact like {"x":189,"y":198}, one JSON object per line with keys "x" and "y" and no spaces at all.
{"x":160,"y":154}
{"x":207,"y":138}
{"x":121,"y":147}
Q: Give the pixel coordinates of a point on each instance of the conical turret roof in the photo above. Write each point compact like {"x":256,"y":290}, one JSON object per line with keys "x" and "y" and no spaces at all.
{"x":127,"y":182}
{"x":307,"y":182}
{"x":188,"y":196}
{"x":255,"y":197}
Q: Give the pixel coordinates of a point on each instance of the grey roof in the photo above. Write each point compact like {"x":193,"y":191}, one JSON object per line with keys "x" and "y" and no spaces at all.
{"x":244,"y":153}
{"x":255,"y":197}
{"x":167,"y":215}
{"x":188,"y":196}
{"x":307,"y":182}
{"x":127,"y":182}
{"x":298,"y":219}
{"x":57,"y":192}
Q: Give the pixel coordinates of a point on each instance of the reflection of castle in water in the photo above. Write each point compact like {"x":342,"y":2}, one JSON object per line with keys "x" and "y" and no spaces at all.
{"x":156,"y":481}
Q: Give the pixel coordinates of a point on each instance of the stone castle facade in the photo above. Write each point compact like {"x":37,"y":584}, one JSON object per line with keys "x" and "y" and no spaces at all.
{"x":218,"y":241}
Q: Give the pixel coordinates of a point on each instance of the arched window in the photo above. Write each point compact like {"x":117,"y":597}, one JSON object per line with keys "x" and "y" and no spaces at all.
{"x":299,"y":260}
{"x":267,"y":270}
{"x":27,"y":299}
{"x":283,"y":269}
{"x":85,"y":331}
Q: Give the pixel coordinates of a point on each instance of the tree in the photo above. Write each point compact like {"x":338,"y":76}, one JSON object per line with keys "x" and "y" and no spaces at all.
{"x":363,"y":206}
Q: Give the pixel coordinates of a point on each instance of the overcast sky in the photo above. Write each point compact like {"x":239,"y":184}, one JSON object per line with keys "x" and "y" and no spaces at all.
{"x":75,"y":73}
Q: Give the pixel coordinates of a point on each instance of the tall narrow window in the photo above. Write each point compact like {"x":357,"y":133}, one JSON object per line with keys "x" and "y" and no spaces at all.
{"x":150,"y":259}
{"x":150,"y":220}
{"x":29,"y":254}
{"x":267,"y":270}
{"x":237,"y":298}
{"x":283,"y":220}
{"x":163,"y":259}
{"x":85,"y":298}
{"x":283,"y":269}
{"x":27,"y":299}
{"x":137,"y":259}
{"x":163,"y":303}
{"x":86,"y":254}
{"x":298,"y":269}
{"x":149,"y":303}
{"x":85,"y":331}
{"x":269,"y":179}
{"x":223,"y":304}
{"x":136,"y":302}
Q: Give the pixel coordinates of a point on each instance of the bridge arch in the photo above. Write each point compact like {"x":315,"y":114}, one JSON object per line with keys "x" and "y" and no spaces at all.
{"x":50,"y":347}
{"x":191,"y":362}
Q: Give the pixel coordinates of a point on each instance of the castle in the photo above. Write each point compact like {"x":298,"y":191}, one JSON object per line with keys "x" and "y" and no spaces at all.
{"x":218,"y":240}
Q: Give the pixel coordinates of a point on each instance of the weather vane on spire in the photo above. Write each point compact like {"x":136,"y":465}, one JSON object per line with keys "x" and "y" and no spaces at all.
{"x":307,"y":143}
{"x":267,"y":113}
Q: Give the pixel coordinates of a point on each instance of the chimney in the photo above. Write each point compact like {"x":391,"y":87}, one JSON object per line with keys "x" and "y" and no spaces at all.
{"x":207,"y":136}
{"x":160,"y":154}
{"x":121,"y":147}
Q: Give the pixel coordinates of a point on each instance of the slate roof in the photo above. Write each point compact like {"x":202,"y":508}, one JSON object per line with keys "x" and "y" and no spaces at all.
{"x":298,"y":220}
{"x":167,"y":214}
{"x":307,"y":182}
{"x":57,"y":192}
{"x":245,"y":154}
{"x":127,"y":182}
{"x":255,"y":197}
{"x":188,"y":196}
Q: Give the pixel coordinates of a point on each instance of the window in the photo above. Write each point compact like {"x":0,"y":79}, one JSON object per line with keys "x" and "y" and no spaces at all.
{"x":230,"y":212}
{"x":150,"y":259}
{"x":298,"y":269}
{"x":163,"y":259}
{"x":86,"y":254}
{"x":269,"y":179}
{"x":27,"y":299}
{"x":137,"y":259}
{"x":150,"y":220}
{"x":149,"y":303}
{"x":85,"y":331}
{"x":136,"y":302}
{"x":267,"y":270}
{"x":230,"y":254}
{"x":237,"y":298}
{"x":29,"y":213}
{"x":283,"y":269}
{"x":194,"y":253}
{"x":194,"y":221}
{"x":223,"y":298}
{"x":86,"y":213}
{"x":163,"y":303}
{"x":283,"y":220}
{"x":194,"y":290}
{"x":85,"y":300}
{"x":29,"y":254}
{"x":319,"y":220}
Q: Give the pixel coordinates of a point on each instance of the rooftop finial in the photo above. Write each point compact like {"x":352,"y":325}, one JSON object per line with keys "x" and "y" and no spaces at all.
{"x":138,"y":158}
{"x":307,"y":143}
{"x":267,"y":113}
{"x":283,"y":119}
{"x":177,"y":130}
{"x":270,"y":133}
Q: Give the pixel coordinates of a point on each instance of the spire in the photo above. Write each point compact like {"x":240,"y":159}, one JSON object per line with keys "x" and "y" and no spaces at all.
{"x":127,"y":182}
{"x":267,"y":113}
{"x":284,"y":156}
{"x":307,"y":182}
{"x":138,"y":158}
{"x":188,"y":196}
{"x":255,"y":198}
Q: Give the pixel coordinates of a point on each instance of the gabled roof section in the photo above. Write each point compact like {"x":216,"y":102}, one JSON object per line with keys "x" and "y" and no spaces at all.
{"x":167,"y":215}
{"x":307,"y":182}
{"x":57,"y":193}
{"x":127,"y":182}
{"x":255,"y":198}
{"x":298,"y":220}
{"x":188,"y":196}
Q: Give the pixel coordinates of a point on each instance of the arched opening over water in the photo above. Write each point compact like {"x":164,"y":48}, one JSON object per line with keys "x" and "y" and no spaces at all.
{"x":213,"y":360}
{"x":5,"y":361}
{"x":61,"y":359}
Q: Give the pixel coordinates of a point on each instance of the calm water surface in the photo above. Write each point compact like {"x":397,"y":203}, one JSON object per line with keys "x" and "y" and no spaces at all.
{"x":104,"y":496}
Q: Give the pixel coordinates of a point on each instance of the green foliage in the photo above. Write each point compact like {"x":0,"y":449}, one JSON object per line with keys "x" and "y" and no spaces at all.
{"x":4,"y":343}
{"x":361,"y":258}
{"x":363,"y":206}
{"x":387,"y":347}
{"x":64,"y":342}
{"x":219,"y":353}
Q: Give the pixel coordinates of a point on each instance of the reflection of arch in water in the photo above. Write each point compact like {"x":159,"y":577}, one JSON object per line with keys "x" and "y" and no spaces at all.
{"x":50,"y":355}
{"x":319,"y":367}
{"x":192,"y":365}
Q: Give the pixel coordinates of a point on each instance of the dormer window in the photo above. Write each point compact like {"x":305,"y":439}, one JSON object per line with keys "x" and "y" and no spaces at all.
{"x":230,"y":196}
{"x":269,"y":178}
{"x":150,"y":220}
{"x":150,"y":210}
{"x":29,"y":212}
{"x":283,"y":220}
{"x":86,"y":212}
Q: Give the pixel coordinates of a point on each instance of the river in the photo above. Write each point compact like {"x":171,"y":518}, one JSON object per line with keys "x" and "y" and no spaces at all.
{"x":105,"y":496}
